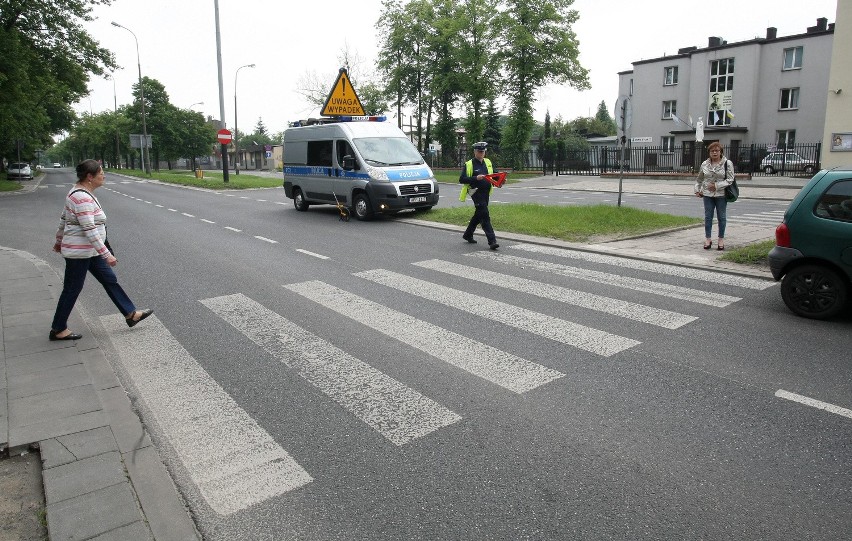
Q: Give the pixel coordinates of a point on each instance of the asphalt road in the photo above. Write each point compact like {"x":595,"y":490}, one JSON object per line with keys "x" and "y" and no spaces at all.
{"x":306,"y":378}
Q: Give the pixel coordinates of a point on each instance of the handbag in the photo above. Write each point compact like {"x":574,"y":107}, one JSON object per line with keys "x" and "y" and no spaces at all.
{"x":732,"y":191}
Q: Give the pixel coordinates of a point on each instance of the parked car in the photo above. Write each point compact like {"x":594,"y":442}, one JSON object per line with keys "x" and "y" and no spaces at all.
{"x":56,"y":165}
{"x":788,"y":162}
{"x":813,"y":246}
{"x":20,"y":171}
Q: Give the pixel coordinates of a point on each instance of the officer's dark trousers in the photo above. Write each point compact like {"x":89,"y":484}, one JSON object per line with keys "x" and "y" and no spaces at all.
{"x":481,"y":217}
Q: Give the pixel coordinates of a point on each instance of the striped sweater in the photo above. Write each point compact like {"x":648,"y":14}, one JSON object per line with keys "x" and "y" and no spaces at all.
{"x":82,"y":226}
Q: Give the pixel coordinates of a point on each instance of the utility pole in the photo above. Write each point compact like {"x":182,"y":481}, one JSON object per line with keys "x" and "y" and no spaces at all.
{"x":221,"y":93}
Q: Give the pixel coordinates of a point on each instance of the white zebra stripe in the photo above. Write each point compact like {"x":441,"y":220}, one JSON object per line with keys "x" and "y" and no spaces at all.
{"x":397,"y":412}
{"x":573,"y":334}
{"x":232,"y":460}
{"x":649,"y":266}
{"x":637,"y":312}
{"x":637,"y":284}
{"x":491,"y":364}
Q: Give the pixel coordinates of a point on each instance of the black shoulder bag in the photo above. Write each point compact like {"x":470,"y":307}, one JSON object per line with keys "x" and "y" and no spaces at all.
{"x":732,"y":191}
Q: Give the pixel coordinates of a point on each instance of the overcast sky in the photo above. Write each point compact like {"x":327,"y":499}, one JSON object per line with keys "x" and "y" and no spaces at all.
{"x":287,"y":40}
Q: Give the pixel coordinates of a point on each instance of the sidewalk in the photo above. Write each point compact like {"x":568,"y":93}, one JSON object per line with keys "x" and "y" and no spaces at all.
{"x":102,"y":476}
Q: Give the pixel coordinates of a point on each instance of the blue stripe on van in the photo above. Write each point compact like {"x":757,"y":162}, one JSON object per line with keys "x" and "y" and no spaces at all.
{"x":393,"y":174}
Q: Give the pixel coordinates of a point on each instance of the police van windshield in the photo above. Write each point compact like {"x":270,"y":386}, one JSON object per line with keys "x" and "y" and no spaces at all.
{"x":388,"y":151}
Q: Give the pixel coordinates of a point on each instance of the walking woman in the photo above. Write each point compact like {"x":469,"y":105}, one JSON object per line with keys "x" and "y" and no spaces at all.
{"x":716,"y":173}
{"x":81,"y":239}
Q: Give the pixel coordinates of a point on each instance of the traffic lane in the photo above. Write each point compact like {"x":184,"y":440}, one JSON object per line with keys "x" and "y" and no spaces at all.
{"x":387,"y":351}
{"x":337,"y":243}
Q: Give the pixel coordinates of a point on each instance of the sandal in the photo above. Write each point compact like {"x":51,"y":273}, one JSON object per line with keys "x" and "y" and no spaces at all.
{"x":707,"y":245}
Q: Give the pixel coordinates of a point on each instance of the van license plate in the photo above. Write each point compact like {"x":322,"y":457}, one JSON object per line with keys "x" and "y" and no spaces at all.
{"x":419,"y":199}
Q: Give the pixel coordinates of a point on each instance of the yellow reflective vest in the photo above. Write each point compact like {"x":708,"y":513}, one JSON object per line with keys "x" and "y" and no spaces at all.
{"x":469,"y":172}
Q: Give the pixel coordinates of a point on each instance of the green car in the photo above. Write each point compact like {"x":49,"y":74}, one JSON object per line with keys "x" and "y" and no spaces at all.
{"x":813,"y":246}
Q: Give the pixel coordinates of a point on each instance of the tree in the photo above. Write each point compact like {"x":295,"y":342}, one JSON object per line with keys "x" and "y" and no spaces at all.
{"x":604,"y":120}
{"x":46,"y":61}
{"x":537,"y":47}
{"x":476,"y":17}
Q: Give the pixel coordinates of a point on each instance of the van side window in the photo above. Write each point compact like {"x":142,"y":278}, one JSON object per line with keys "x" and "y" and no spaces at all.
{"x":319,"y":153}
{"x":344,"y":149}
{"x":836,"y":202}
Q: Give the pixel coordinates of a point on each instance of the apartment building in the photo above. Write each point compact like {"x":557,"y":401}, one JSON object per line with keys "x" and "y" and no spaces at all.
{"x":770,"y":90}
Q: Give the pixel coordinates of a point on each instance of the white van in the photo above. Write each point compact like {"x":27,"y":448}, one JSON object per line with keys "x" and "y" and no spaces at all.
{"x":370,"y":167}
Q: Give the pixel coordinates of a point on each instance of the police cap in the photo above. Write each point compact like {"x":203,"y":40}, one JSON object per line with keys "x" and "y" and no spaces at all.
{"x":482,"y":145}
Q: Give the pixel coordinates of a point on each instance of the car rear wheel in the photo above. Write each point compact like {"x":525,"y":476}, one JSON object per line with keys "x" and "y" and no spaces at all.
{"x":814,"y":291}
{"x":768,"y":170}
{"x":361,"y":206}
{"x":299,"y":200}
{"x":809,"y":169}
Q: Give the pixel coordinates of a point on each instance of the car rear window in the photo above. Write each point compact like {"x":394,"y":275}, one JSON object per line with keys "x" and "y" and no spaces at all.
{"x":836,"y":202}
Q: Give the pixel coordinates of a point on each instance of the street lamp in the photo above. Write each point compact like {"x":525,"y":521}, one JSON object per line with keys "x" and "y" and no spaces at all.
{"x":196,"y":103}
{"x":147,"y":163}
{"x":236,"y":133}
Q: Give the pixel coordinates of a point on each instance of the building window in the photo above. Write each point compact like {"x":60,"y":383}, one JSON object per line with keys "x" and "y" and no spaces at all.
{"x":793,"y":58}
{"x":786,"y":139}
{"x":630,"y":93}
{"x":671,"y":76}
{"x":669,"y":109}
{"x":667,"y":143}
{"x":721,"y":92}
{"x":789,"y":98}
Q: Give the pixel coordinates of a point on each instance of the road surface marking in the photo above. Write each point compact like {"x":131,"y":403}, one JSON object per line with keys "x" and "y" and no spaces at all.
{"x":264,"y":239}
{"x":573,"y":334}
{"x":397,"y":412}
{"x":637,"y":284}
{"x":649,"y":266}
{"x":234,"y":462}
{"x":781,"y":393}
{"x":207,"y":221}
{"x":234,"y":229}
{"x":491,"y":364}
{"x":616,"y":307}
{"x":313,"y":254}
{"x":188,"y":215}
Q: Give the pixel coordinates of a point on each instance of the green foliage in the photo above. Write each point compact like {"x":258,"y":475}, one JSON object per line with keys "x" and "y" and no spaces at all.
{"x":750,"y":254}
{"x":574,"y":224}
{"x":46,"y":60}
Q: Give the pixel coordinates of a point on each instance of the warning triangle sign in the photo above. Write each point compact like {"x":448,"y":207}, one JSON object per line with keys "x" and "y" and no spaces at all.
{"x":342,"y":100}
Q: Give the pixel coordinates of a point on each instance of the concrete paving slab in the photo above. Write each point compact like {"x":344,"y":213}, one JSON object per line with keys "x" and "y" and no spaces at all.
{"x":22,"y":285}
{"x":29,"y":306}
{"x":138,"y":531}
{"x":89,"y":443}
{"x":101,"y":372}
{"x":34,"y":333}
{"x":53,"y":453}
{"x":126,"y":427}
{"x":22,"y":436}
{"x":82,"y":477}
{"x":167,"y":517}
{"x":57,"y":404}
{"x":41,"y":319}
{"x":37,"y":362}
{"x":28,"y":346}
{"x":93,"y":514}
{"x":57,"y":379}
{"x":20,"y":298}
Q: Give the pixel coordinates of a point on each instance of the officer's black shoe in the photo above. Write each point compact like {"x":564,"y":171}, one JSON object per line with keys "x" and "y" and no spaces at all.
{"x":493,"y":246}
{"x":470,"y":239}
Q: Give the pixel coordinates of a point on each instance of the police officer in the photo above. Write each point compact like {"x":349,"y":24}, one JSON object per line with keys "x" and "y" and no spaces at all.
{"x":475,"y":183}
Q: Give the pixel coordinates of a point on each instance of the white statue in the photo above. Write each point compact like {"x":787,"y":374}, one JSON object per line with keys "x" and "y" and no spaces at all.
{"x":699,"y":130}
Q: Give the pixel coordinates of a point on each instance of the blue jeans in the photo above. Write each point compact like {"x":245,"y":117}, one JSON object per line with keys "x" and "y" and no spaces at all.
{"x":720,"y":204}
{"x":75,"y":277}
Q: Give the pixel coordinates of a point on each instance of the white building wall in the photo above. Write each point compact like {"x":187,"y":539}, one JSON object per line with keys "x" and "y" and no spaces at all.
{"x":839,"y":105}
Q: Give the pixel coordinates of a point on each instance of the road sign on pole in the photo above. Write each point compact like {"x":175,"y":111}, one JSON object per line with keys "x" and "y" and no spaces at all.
{"x":342,"y":100}
{"x":224,"y":136}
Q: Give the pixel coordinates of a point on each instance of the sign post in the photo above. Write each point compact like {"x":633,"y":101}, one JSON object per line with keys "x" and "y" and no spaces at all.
{"x":623,"y":119}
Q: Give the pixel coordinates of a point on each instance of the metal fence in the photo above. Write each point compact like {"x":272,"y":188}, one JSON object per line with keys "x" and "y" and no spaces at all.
{"x":756,"y":159}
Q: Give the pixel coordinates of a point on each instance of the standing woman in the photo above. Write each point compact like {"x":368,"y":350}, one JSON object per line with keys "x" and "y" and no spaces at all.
{"x":716,"y":173}
{"x":81,"y":239}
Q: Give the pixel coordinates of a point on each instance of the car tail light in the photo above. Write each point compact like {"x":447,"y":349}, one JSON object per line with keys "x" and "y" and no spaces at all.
{"x":782,"y":236}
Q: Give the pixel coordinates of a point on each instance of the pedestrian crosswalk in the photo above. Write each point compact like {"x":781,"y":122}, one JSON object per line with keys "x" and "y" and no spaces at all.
{"x":235,"y":463}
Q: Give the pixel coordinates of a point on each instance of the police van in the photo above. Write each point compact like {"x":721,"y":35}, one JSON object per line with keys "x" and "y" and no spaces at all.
{"x":362,"y":163}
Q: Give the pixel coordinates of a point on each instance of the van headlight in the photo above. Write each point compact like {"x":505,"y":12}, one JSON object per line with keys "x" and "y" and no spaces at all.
{"x":376,"y":173}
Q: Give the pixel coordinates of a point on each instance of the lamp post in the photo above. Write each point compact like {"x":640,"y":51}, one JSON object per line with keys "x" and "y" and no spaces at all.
{"x":115,"y":111}
{"x":146,"y":162}
{"x":236,"y":133}
{"x":196,"y":103}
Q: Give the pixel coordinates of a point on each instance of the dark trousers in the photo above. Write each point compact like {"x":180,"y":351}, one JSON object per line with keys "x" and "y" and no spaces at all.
{"x":481,"y":217}
{"x":75,"y":277}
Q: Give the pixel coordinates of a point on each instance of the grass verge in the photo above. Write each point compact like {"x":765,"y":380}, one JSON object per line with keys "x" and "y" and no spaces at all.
{"x":212,"y":179}
{"x":751,"y":254}
{"x":573,"y":224}
{"x":9,"y":186}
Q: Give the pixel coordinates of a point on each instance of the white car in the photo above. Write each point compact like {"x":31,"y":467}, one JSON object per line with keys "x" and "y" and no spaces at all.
{"x":20,"y":171}
{"x":787,"y":161}
{"x":57,"y":165}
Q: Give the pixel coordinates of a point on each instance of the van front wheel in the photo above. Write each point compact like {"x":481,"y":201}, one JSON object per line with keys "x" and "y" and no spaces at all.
{"x":299,"y":200}
{"x":361,"y":206}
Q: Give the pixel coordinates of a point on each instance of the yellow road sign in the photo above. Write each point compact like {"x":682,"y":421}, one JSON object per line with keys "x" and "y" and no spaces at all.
{"x":342,"y":100}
